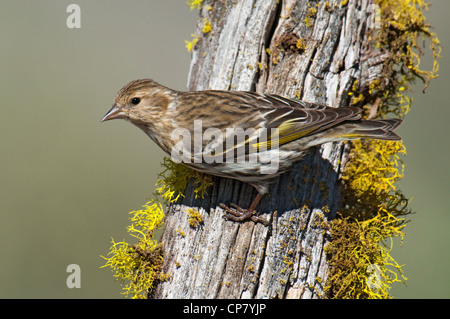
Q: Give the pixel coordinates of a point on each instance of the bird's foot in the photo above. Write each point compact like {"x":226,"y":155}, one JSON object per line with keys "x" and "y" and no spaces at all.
{"x":238,"y":214}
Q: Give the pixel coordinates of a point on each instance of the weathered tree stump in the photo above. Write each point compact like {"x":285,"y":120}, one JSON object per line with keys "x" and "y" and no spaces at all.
{"x":312,"y":50}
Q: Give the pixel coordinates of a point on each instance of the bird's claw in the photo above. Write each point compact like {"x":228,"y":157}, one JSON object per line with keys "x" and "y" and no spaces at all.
{"x":238,"y":214}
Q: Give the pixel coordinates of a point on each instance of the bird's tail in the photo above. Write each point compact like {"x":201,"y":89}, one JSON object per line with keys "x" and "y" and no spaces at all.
{"x":376,"y":129}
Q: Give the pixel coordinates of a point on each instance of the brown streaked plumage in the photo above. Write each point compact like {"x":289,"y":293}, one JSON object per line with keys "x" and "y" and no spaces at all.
{"x":159,"y":111}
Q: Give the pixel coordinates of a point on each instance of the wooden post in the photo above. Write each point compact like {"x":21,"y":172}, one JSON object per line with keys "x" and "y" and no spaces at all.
{"x":312,"y":50}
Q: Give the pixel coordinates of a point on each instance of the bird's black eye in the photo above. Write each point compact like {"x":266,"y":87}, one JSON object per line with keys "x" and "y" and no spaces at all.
{"x":135,"y":101}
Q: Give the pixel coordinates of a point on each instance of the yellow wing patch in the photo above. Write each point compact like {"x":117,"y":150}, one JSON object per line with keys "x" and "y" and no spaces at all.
{"x":288,"y":131}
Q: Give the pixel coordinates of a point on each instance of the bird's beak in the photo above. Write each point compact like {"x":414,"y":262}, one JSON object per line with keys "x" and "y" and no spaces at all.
{"x":115,"y":112}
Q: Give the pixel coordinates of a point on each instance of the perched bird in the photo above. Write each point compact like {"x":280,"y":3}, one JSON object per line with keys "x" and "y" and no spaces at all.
{"x":275,"y":130}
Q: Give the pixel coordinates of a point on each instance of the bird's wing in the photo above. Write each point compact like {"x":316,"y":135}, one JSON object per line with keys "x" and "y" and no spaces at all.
{"x":289,"y":119}
{"x":294,"y":119}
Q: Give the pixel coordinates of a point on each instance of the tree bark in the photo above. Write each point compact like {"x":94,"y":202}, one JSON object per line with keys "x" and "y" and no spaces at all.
{"x":312,"y":50}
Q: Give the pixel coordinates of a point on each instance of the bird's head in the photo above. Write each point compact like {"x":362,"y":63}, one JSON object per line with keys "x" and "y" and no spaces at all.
{"x":142,"y":102}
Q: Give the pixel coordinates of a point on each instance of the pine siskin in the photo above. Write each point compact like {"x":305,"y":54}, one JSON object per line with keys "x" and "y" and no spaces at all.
{"x":268,"y":127}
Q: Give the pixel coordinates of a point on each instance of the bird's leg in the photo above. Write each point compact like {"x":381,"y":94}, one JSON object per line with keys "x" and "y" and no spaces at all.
{"x":238,"y":214}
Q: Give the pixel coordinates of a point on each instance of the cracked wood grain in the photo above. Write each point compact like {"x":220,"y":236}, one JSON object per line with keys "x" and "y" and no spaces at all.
{"x":250,"y":48}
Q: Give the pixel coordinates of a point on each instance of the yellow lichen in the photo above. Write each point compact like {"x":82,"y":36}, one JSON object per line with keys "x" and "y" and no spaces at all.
{"x":191,"y":44}
{"x":195,"y":218}
{"x":300,"y":44}
{"x":207,"y":27}
{"x":138,"y":266}
{"x":194,"y":4}
{"x":173,"y":180}
{"x":374,"y":166}
{"x":308,"y":21}
{"x":358,"y":249}
{"x":181,"y":232}
{"x":310,"y":16}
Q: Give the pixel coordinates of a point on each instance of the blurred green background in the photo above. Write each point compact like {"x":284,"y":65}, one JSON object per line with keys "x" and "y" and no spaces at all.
{"x":68,"y":181}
